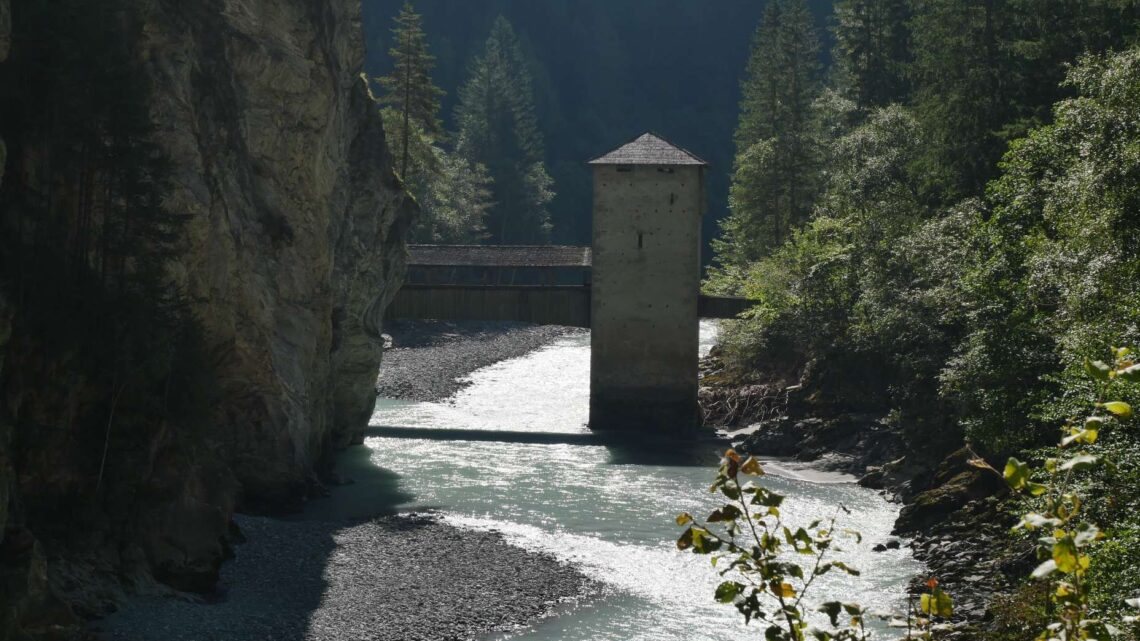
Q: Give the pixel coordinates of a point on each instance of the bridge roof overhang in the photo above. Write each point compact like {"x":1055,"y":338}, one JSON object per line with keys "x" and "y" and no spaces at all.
{"x":510,"y":256}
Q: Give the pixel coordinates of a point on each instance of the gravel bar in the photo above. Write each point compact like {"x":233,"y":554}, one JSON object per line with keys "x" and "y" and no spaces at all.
{"x":407,"y":577}
{"x":428,"y":358}
{"x":404,"y":578}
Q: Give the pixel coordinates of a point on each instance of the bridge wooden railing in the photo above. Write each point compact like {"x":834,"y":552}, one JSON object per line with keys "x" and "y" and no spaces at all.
{"x":567,"y":305}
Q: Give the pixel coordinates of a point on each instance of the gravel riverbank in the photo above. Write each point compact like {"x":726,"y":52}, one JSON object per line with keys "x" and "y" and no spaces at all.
{"x":404,"y":578}
{"x":328,"y":576}
{"x":428,"y":358}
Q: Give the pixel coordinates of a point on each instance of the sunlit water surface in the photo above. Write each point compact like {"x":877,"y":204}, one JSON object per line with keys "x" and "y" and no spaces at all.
{"x":608,"y":510}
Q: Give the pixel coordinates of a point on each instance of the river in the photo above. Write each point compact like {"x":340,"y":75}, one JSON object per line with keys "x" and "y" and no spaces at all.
{"x":610,"y":511}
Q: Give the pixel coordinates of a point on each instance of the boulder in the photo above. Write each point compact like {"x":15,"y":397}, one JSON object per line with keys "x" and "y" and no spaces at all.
{"x":956,"y":484}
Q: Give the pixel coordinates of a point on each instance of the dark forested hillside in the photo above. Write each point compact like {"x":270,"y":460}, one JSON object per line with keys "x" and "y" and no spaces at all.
{"x":604,"y":71}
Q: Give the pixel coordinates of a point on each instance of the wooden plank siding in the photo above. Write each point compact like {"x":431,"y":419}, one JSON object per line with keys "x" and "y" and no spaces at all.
{"x":540,"y":305}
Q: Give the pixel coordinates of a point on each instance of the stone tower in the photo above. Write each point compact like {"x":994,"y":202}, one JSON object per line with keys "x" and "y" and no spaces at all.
{"x":649,"y":197}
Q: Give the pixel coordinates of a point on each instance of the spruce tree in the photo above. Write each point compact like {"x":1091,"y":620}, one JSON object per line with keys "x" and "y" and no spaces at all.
{"x":962,"y":75}
{"x":776,"y":173}
{"x":409,"y":88}
{"x":872,"y":47}
{"x":499,"y":130}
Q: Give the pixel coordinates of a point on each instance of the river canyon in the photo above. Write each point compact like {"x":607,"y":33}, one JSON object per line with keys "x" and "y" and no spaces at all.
{"x":604,"y":512}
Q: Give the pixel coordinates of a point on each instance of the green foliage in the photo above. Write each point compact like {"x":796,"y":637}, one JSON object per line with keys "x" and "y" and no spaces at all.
{"x":872,"y":50}
{"x":866,"y":290}
{"x":1067,"y":537}
{"x":498,"y":130}
{"x":1055,"y":278}
{"x":752,"y":547}
{"x":775,"y":178}
{"x":409,"y":87}
{"x":957,"y":74}
{"x":1026,"y":608}
{"x":454,"y":195}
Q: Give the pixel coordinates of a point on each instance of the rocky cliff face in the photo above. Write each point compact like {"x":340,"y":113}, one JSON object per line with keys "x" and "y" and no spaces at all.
{"x":293,"y":248}
{"x":297,"y":219}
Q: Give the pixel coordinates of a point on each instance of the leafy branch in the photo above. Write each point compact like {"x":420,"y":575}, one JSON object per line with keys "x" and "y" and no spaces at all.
{"x":1067,"y":538}
{"x":749,"y":541}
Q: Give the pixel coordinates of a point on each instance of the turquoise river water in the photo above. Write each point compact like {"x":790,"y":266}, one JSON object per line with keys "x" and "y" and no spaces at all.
{"x":608,"y":510}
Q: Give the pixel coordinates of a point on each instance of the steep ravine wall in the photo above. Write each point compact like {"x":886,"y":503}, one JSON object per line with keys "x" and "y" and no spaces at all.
{"x":296,"y":218}
{"x":296,"y":225}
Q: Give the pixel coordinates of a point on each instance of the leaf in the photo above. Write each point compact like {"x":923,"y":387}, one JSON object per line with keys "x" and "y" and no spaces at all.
{"x":685,"y":541}
{"x":979,"y":463}
{"x":684,"y":519}
{"x":1045,"y":569}
{"x":726,"y":513}
{"x":727,"y":592}
{"x":846,"y":568}
{"x":1088,"y":534}
{"x":767,"y":498}
{"x":1097,"y":370}
{"x":1120,"y":409}
{"x":703,"y":541}
{"x":1016,"y":473}
{"x":1130,"y":373}
{"x":1079,"y":462}
{"x":1033,"y":520}
{"x":731,"y":491}
{"x":783,"y":590}
{"x":943,"y":604}
{"x":752,"y":467}
{"x":832,"y":610}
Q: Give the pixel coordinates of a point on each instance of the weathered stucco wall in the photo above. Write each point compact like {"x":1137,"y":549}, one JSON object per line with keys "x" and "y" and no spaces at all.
{"x":646,"y":279}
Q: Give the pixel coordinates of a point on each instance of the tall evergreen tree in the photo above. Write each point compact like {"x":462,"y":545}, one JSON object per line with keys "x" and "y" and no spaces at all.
{"x":961,"y":74}
{"x":872,"y":46}
{"x":499,"y":130}
{"x":775,"y":177}
{"x":409,"y":88}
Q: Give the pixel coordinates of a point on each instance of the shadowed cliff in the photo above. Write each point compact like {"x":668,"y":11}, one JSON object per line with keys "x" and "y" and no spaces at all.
{"x":237,"y":149}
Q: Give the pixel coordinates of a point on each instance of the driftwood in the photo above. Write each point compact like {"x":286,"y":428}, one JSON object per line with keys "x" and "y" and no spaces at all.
{"x":742,"y":406}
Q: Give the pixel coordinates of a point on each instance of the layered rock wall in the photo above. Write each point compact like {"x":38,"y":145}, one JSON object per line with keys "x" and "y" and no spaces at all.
{"x":297,"y":218}
{"x":293,"y":245}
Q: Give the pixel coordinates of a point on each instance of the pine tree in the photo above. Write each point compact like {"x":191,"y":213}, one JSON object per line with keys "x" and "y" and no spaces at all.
{"x":872,"y":47}
{"x":499,"y":130}
{"x":409,"y":87}
{"x":777,"y":161}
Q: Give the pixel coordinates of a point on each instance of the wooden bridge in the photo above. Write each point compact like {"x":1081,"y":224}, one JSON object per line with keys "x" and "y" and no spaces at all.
{"x":543,"y":285}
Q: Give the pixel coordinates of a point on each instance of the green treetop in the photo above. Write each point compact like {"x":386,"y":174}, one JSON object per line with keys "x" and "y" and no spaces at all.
{"x":409,"y":88}
{"x":871,"y":50}
{"x":775,"y":178}
{"x":499,"y":130}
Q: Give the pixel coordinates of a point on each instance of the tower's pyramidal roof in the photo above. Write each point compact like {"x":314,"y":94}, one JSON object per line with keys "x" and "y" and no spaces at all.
{"x":649,"y":149}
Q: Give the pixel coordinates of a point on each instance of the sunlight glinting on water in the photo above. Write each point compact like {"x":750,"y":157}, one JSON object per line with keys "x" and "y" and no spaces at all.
{"x":609,"y":512}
